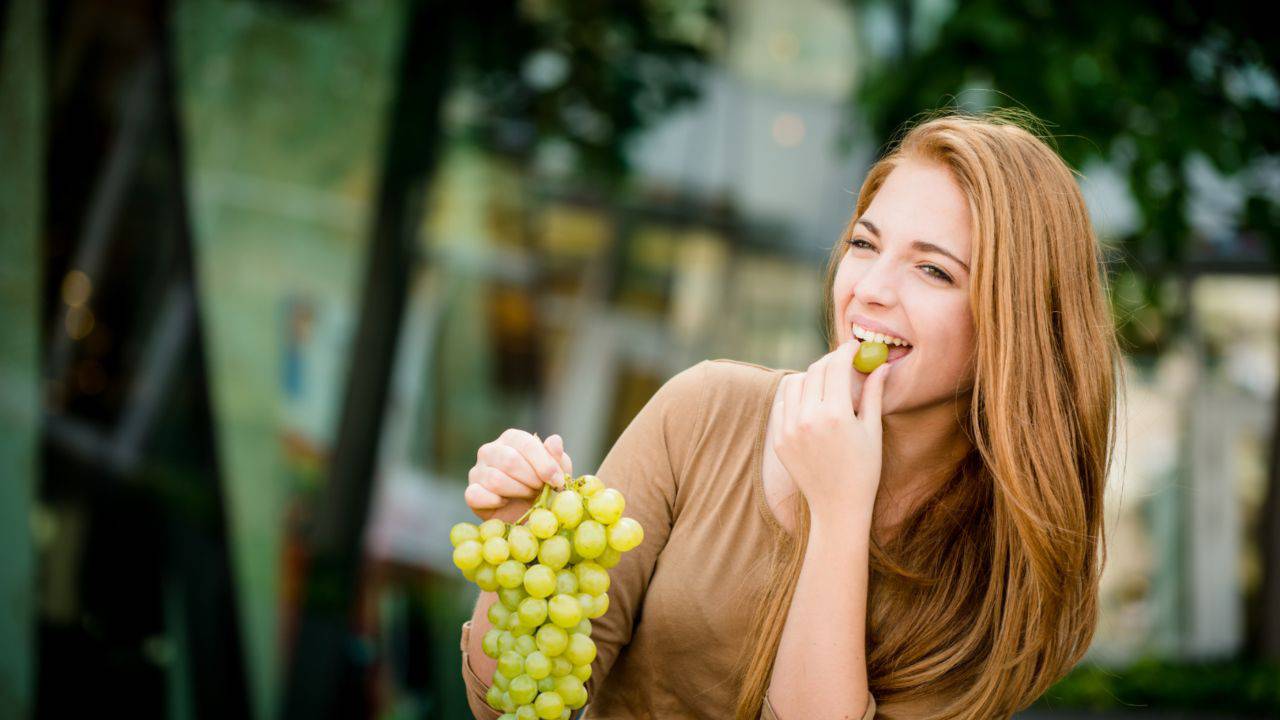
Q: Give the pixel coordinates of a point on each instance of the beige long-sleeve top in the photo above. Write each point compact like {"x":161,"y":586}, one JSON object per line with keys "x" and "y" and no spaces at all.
{"x":681,"y":604}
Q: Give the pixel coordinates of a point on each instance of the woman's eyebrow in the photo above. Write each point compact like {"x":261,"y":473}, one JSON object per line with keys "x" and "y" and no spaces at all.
{"x":920,"y":245}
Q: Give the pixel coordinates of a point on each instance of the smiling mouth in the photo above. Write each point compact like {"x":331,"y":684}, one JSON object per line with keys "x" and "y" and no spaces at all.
{"x":895,"y":351}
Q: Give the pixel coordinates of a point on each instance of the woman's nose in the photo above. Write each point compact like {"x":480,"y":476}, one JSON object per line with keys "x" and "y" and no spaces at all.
{"x":876,"y":287}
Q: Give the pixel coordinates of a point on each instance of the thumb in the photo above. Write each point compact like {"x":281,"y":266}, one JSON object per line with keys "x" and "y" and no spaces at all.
{"x":873,"y":393}
{"x":555,"y":446}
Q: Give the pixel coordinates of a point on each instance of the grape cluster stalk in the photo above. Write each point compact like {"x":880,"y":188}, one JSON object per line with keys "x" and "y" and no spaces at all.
{"x":550,"y":569}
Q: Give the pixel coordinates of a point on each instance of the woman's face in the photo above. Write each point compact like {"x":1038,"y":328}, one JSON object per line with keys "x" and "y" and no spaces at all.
{"x":905,"y":274}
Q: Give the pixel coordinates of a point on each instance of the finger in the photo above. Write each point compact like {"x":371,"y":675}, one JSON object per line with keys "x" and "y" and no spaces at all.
{"x":791,"y":401}
{"x":499,"y":483}
{"x":535,"y":453}
{"x":555,"y":445}
{"x":478,"y":498}
{"x":839,"y":372}
{"x":510,"y":461}
{"x":811,"y":395}
{"x":873,"y":394}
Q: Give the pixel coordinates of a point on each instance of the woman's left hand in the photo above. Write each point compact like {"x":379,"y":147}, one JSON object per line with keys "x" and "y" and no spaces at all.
{"x":833,"y":454}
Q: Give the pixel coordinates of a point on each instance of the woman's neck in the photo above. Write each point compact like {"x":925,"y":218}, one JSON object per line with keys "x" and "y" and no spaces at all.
{"x":922,"y":449}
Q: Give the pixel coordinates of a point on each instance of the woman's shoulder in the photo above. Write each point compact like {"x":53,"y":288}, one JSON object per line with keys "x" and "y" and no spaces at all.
{"x":720,"y":379}
{"x":736,"y":386}
{"x":740,"y":374}
{"x":714,"y":388}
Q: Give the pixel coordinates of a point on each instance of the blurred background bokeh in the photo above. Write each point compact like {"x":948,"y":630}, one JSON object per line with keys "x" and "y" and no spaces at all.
{"x":271,"y":271}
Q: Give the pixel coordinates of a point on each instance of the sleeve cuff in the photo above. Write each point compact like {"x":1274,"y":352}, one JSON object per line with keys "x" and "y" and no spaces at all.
{"x":476,"y":688}
{"x":767,"y":713}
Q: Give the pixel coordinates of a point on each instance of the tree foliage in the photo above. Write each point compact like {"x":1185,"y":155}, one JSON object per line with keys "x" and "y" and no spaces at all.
{"x":579,"y":76}
{"x":1145,"y":86}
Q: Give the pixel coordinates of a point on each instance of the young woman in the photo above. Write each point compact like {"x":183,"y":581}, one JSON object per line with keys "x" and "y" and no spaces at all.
{"x":922,"y":542}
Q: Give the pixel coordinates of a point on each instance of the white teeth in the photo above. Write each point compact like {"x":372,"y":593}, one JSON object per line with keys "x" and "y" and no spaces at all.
{"x":866,"y":335}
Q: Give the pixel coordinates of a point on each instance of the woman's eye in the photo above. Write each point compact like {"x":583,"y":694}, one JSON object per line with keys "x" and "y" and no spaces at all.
{"x":937,"y":272}
{"x":860,"y":243}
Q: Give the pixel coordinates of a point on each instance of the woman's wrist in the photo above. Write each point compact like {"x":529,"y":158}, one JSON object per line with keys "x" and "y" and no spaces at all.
{"x":855,"y":522}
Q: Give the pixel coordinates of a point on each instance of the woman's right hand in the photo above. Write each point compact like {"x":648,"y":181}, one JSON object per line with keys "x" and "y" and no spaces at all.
{"x":510,"y":472}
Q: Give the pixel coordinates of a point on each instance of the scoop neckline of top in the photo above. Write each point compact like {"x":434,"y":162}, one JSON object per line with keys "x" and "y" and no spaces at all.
{"x":757,"y":453}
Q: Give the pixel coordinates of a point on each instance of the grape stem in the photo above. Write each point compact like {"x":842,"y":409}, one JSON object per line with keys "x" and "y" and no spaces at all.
{"x":543,"y":497}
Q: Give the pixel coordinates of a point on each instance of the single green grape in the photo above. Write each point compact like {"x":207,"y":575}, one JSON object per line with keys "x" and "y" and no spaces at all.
{"x":468,"y":555}
{"x":581,"y":650}
{"x":498,"y":615}
{"x":560,"y":667}
{"x":625,"y":534}
{"x":490,"y":643}
{"x":526,"y":645}
{"x":599,"y":605}
{"x":549,"y":706}
{"x":462,"y":532}
{"x":592,"y":578}
{"x":589,"y":485}
{"x":537,"y":665}
{"x":510,"y":715}
{"x":532,"y":611}
{"x":582,"y":672}
{"x":520,"y":630}
{"x":523,"y":689}
{"x":566,"y":582}
{"x":494,"y":697}
{"x":564,"y":611}
{"x":511,"y":597}
{"x":584,"y":626}
{"x":540,"y":581}
{"x":870,"y":355}
{"x":486,"y":577}
{"x":590,"y":539}
{"x":508,"y":705}
{"x":522,"y":543}
{"x":555,"y":552}
{"x":496,"y":551}
{"x":547,"y":684}
{"x":567,"y":506}
{"x":571,"y":689}
{"x":543,"y":523}
{"x":526,"y":712}
{"x":510,"y":574}
{"x":552,"y":640}
{"x":609,"y":558}
{"x":492,"y":528}
{"x":606,"y":506}
{"x":511,"y":663}
{"x":500,"y":681}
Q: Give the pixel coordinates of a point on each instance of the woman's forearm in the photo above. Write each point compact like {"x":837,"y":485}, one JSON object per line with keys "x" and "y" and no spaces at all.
{"x":821,"y":667}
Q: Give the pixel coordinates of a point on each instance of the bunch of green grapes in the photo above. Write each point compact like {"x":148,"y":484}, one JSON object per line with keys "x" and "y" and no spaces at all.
{"x":551,"y":572}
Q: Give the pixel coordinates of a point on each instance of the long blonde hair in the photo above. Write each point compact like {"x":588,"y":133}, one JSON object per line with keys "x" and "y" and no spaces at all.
{"x":988,"y":593}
